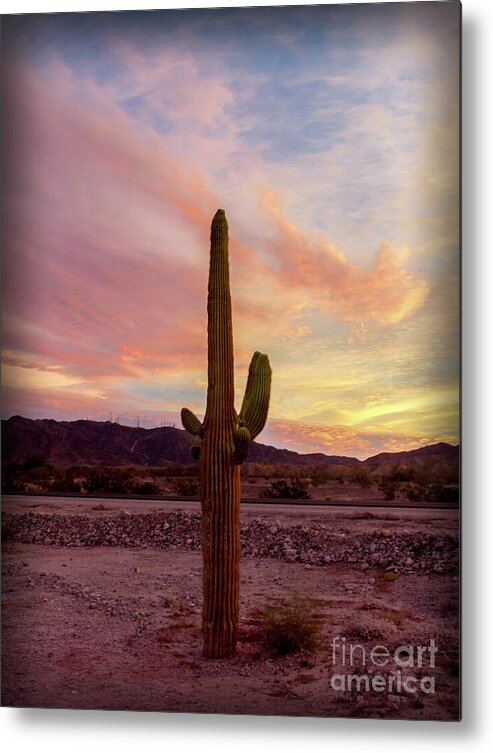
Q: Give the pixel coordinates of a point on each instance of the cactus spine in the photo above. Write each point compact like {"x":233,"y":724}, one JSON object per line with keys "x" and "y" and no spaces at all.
{"x":225,"y":442}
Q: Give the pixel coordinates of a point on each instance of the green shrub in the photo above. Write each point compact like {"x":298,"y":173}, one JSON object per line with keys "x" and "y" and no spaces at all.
{"x":293,"y":488}
{"x":290,"y":627}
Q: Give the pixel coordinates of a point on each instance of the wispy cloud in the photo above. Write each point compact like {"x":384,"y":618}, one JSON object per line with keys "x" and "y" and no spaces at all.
{"x":385,"y":293}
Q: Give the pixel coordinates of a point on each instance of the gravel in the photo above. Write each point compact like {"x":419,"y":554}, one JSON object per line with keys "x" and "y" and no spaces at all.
{"x":400,"y":552}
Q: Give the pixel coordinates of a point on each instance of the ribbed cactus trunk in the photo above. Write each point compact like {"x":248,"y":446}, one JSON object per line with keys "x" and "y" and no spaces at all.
{"x":220,"y":475}
{"x":226,"y":438}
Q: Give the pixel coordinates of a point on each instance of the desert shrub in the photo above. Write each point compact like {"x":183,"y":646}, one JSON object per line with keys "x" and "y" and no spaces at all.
{"x":34,"y":461}
{"x":440,"y":493}
{"x":362,"y":477}
{"x":432,"y":493}
{"x":186,"y":487}
{"x":291,"y":488}
{"x":68,"y":479}
{"x":145,"y":487}
{"x":413,"y":492}
{"x":401,"y":473}
{"x":290,"y":626}
{"x":108,"y":481}
{"x":39,"y":473}
{"x":387,"y":488}
{"x":320,"y":476}
{"x":173,"y":471}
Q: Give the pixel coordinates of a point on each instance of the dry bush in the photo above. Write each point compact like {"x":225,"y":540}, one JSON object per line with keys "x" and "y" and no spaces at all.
{"x":291,"y":626}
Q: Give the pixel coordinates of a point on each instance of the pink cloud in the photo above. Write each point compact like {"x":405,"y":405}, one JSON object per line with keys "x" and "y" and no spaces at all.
{"x":385,"y":293}
{"x":166,"y":82}
{"x":93,"y":210}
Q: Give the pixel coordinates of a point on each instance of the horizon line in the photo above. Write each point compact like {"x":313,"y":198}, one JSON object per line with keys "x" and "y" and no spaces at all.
{"x":166,"y":425}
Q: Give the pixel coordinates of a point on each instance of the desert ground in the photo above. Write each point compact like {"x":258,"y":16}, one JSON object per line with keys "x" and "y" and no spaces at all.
{"x":101,"y":609}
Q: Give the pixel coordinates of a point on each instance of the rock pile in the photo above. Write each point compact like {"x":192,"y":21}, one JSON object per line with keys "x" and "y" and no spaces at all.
{"x":397,"y":551}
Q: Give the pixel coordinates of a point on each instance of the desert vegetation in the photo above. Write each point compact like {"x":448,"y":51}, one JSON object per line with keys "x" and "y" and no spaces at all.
{"x":399,"y":485}
{"x":291,"y":626}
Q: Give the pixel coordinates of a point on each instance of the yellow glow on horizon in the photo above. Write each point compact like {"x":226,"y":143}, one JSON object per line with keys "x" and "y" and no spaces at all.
{"x":416,"y":404}
{"x":22,"y":377}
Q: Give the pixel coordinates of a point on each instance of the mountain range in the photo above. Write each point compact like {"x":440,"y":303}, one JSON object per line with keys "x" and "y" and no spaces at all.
{"x":84,"y":442}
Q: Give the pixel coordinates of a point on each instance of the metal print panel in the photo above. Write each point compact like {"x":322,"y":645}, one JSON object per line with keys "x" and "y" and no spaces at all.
{"x":230,"y":435}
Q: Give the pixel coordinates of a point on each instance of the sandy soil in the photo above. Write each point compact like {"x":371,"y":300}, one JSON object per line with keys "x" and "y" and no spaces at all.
{"x":117,"y":628}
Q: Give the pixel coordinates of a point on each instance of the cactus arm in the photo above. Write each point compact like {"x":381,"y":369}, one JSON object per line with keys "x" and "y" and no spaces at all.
{"x":241,"y":438}
{"x":190,"y":422}
{"x":255,"y":406}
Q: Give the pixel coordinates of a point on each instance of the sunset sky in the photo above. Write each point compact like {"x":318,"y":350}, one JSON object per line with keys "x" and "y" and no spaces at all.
{"x":329,"y":134}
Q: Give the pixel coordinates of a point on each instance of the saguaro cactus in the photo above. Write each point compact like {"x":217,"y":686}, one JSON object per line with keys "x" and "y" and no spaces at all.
{"x":225,"y":438}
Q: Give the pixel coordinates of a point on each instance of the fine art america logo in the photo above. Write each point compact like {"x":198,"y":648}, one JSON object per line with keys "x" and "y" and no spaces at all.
{"x":379,"y":669}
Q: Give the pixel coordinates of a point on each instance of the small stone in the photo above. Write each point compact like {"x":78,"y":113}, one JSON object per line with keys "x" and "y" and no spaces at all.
{"x":393,"y":698}
{"x":364,"y":566}
{"x":308,"y":567}
{"x":327,"y":559}
{"x":273,"y":530}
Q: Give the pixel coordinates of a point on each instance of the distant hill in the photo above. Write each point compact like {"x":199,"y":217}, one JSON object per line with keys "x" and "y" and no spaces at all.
{"x":434,"y":458}
{"x":68,"y":443}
